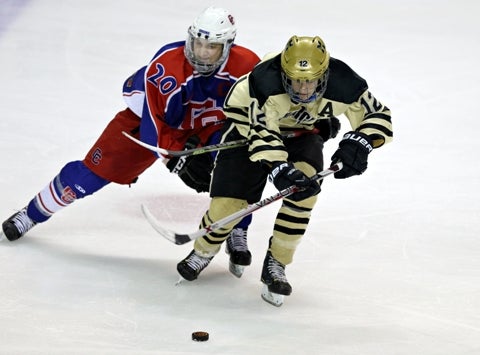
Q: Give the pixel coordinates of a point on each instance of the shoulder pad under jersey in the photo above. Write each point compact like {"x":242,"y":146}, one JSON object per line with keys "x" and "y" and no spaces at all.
{"x":344,"y":85}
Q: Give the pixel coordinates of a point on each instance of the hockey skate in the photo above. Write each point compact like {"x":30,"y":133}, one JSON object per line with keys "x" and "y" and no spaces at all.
{"x":190,"y":267}
{"x":237,"y":248}
{"x":17,"y":225}
{"x":275,"y":282}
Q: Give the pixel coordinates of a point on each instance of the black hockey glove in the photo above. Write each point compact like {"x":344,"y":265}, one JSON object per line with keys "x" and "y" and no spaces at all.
{"x":195,"y":170}
{"x":284,"y":175}
{"x":328,"y":128}
{"x":353,"y":152}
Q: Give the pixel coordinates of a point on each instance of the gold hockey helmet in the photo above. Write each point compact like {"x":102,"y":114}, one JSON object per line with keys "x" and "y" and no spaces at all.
{"x":305,"y":59}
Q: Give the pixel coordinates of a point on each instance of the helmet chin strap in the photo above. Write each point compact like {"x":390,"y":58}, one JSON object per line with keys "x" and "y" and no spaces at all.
{"x":297,"y":100}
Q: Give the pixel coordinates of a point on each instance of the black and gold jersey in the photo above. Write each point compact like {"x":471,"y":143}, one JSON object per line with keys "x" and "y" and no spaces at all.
{"x":260,"y":108}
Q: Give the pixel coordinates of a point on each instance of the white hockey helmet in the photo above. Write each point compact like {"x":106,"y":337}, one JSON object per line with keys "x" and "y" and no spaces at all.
{"x":216,"y":25}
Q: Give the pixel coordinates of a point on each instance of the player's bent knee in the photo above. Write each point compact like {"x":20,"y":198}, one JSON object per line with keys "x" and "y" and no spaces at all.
{"x":81,"y":179}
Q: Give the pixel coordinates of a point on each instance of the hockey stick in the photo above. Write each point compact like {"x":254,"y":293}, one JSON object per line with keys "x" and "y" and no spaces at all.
{"x":210,"y":148}
{"x":187,"y":152}
{"x":180,"y":239}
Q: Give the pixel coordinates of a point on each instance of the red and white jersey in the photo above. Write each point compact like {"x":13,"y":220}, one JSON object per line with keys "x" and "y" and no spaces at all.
{"x":175,"y":102}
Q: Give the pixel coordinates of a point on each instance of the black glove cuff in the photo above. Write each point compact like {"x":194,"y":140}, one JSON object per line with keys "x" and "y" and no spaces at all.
{"x":277,"y":167}
{"x":358,"y":138}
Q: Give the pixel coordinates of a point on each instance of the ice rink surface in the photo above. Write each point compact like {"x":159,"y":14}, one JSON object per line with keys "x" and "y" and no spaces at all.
{"x":391,"y":260}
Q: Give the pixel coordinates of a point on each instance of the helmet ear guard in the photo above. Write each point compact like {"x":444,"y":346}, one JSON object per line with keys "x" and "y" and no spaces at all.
{"x":305,"y":59}
{"x":216,"y":25}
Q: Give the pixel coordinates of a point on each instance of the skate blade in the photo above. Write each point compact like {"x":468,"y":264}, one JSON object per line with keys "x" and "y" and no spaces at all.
{"x":272,"y":298}
{"x":179,"y":281}
{"x":236,"y":270}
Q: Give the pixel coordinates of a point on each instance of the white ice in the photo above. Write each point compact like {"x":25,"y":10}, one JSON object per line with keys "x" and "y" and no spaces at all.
{"x":391,"y":260}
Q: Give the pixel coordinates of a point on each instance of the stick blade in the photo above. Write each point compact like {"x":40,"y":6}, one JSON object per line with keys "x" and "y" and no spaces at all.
{"x":175,"y":238}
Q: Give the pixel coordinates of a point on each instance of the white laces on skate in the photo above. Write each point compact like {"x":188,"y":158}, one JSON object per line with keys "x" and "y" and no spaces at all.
{"x":276,"y":270}
{"x":197,"y":262}
{"x":22,"y":222}
{"x":237,"y":239}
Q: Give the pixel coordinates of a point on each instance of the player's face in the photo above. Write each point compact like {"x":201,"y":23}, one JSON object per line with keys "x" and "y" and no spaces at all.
{"x":205,"y":52}
{"x":304,"y":89}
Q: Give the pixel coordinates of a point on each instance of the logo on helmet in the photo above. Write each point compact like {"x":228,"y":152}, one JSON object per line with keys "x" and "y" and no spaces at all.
{"x":205,"y":33}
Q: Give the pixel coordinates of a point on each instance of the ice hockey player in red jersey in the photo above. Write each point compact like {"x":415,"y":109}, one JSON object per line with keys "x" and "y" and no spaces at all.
{"x":175,"y":101}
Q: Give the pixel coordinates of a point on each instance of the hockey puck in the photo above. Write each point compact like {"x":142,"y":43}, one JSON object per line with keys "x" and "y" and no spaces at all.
{"x":200,"y":336}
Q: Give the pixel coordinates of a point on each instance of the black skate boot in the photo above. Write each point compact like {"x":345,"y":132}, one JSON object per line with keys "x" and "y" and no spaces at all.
{"x":275,"y":282}
{"x":17,"y":225}
{"x":237,"y":248}
{"x":190,"y":267}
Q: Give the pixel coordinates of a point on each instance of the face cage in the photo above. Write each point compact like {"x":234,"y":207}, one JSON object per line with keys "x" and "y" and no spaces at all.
{"x":202,"y":68}
{"x":319,"y":90}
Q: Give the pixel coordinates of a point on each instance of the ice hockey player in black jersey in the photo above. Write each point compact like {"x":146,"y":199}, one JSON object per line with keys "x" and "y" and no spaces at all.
{"x":300,"y":88}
